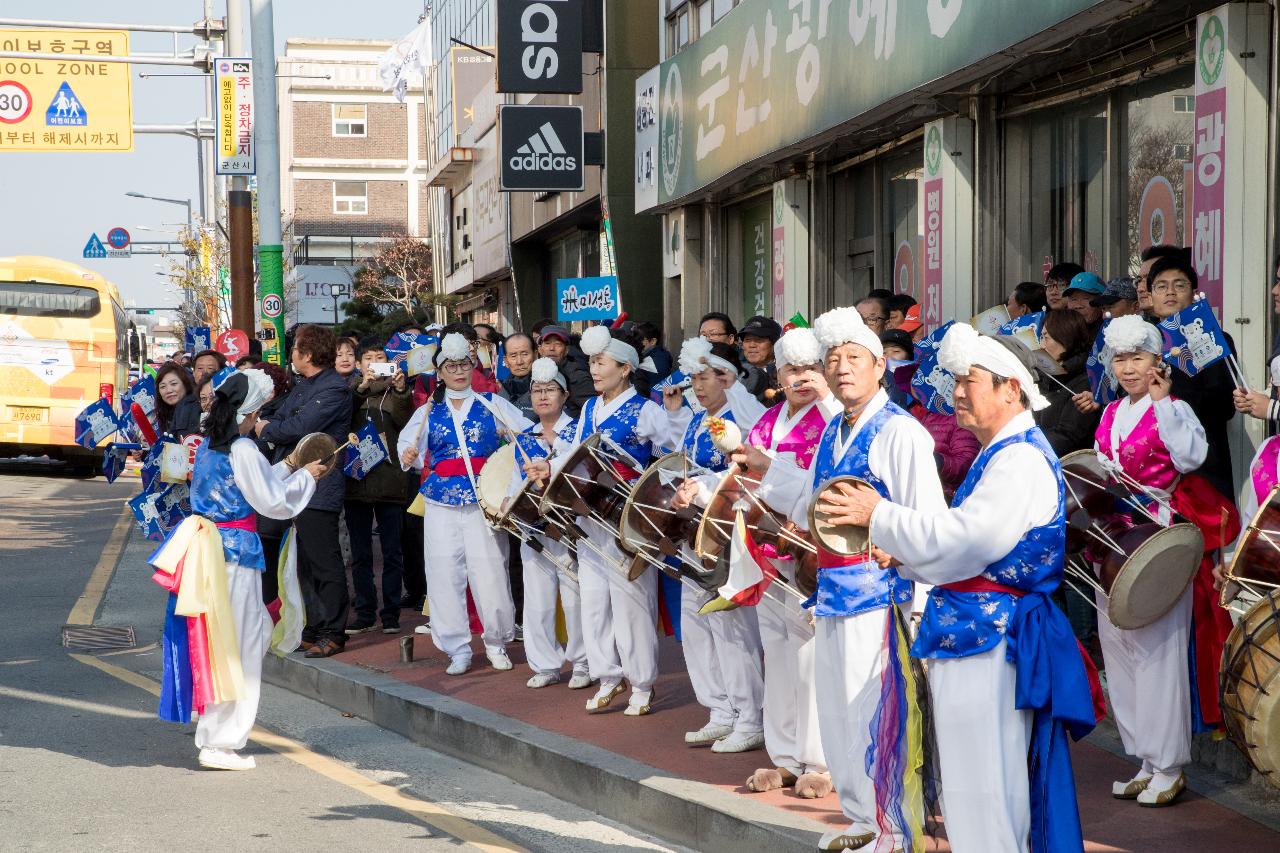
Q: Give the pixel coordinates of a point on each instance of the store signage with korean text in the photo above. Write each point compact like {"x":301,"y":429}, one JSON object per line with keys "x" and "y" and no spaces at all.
{"x":646,"y":166}
{"x":1208,"y":198}
{"x":233,"y":81}
{"x":757,"y":255}
{"x":775,"y":73}
{"x":76,"y":103}
{"x":541,"y":148}
{"x":593,"y":298}
{"x":540,"y":46}
{"x":933,"y":242}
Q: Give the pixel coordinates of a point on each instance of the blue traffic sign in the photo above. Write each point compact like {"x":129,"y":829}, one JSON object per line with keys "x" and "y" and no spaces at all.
{"x":94,"y":248}
{"x":118,"y":238}
{"x":65,"y":110}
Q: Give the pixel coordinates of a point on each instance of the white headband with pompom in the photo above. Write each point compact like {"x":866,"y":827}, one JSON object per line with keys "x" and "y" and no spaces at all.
{"x":545,"y":370}
{"x":597,"y":340}
{"x":696,"y":356}
{"x":845,"y":326}
{"x":1131,"y":333}
{"x":798,"y":348}
{"x":963,"y":348}
{"x":454,"y":347}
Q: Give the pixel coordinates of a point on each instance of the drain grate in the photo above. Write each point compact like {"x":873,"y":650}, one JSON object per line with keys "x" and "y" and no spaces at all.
{"x":98,"y":637}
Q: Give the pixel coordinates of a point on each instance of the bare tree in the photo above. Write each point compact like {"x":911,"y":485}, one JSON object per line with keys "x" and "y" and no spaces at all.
{"x":399,"y":277}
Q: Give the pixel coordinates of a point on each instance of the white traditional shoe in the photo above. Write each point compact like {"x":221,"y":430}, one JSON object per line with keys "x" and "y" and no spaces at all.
{"x":225,"y":759}
{"x":499,"y":660}
{"x":604,"y":696}
{"x":1131,"y":789}
{"x":543,"y":679}
{"x":423,"y":629}
{"x":580,"y":680}
{"x":640,"y":703}
{"x":458,"y":665}
{"x":1159,"y":797}
{"x":707,"y":735}
{"x":739,"y":742}
{"x":849,"y":838}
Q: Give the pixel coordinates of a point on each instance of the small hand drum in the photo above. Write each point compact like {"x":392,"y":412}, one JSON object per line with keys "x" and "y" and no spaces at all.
{"x":845,"y":540}
{"x":316,"y":446}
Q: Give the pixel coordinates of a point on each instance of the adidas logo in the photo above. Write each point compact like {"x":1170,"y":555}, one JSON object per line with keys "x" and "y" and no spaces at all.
{"x":543,"y":152}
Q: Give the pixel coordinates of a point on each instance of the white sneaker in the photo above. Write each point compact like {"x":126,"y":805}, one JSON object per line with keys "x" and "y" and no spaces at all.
{"x":458,"y":665}
{"x":639,"y":703}
{"x":225,"y":759}
{"x":543,"y":679}
{"x":499,"y":660}
{"x":423,"y":629}
{"x":739,"y":742}
{"x":851,"y":837}
{"x":580,"y":680}
{"x":707,"y":735}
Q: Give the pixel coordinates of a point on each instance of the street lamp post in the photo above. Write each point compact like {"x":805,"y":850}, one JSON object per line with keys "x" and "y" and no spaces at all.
{"x":190,"y":236}
{"x":336,"y":292}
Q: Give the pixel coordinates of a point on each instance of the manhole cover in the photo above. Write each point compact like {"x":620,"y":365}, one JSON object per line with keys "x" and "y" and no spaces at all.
{"x":98,"y":637}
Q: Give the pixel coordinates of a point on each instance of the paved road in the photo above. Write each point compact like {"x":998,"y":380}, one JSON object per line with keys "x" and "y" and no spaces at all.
{"x":85,"y":765}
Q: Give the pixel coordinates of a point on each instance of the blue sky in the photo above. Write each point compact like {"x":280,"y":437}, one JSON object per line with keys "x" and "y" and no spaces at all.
{"x":50,"y":203}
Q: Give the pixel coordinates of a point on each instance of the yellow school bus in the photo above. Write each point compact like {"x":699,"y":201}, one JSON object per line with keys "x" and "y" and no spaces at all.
{"x":64,"y":342}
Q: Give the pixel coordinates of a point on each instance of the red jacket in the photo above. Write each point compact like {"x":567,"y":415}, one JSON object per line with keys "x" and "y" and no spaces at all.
{"x":954,"y":447}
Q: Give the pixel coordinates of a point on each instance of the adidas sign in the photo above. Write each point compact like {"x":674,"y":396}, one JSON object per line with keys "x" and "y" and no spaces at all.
{"x":543,"y":152}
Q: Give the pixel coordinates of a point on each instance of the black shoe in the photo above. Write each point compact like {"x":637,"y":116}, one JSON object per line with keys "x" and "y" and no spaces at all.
{"x":391,"y":627}
{"x":359,"y":627}
{"x":413,"y":603}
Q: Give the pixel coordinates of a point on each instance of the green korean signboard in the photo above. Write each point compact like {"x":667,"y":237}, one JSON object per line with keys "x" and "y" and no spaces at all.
{"x":757,"y":258}
{"x":774,"y":73}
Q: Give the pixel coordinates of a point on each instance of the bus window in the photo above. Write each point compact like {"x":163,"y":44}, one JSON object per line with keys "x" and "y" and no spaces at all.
{"x":28,"y":299}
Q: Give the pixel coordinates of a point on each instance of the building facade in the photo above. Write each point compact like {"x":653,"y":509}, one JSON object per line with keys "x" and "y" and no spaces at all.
{"x":353,"y":166}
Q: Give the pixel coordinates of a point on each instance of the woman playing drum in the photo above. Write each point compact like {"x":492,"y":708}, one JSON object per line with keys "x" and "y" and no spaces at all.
{"x":1153,"y":442}
{"x":781,"y":447}
{"x":543,"y":580}
{"x":721,"y":649}
{"x":618,"y":616}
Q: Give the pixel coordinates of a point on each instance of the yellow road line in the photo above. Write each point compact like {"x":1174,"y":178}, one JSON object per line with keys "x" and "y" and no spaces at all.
{"x":87,"y":604}
{"x":433,"y":815}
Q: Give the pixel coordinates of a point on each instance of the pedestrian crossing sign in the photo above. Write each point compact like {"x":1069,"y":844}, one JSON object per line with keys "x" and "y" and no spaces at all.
{"x":94,"y":248}
{"x":65,"y":110}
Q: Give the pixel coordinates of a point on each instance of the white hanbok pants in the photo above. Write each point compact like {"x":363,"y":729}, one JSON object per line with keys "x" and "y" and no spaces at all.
{"x":791,"y":733}
{"x":982,"y":753}
{"x":1148,"y":683}
{"x":850,"y":657}
{"x":619,"y":617}
{"x":460,"y":549}
{"x":226,"y":725}
{"x":543,"y":582}
{"x":722,"y":653}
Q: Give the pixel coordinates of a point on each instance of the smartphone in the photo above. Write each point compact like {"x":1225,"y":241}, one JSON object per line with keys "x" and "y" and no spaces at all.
{"x":382,"y":369}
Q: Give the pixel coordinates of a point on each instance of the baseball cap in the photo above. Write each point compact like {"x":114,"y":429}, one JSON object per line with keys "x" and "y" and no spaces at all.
{"x":762,"y":327}
{"x":1088,"y":282}
{"x":898,"y":338}
{"x":911,"y":320}
{"x":558,"y":331}
{"x":1117,"y":289}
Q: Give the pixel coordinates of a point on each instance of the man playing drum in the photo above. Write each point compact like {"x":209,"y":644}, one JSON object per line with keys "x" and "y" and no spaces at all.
{"x":543,"y":579}
{"x":1154,"y":442}
{"x":721,"y":649}
{"x":859,"y":630}
{"x":780,"y":448}
{"x":1005,"y":673}
{"x":451,"y":439}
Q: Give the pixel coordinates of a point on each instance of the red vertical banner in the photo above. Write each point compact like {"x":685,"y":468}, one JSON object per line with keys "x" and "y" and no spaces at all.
{"x":932,"y":308}
{"x":779,"y":249}
{"x":1208,"y":200}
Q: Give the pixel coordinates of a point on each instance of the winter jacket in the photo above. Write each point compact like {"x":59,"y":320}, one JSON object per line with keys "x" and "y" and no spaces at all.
{"x":321,"y":403}
{"x":662,"y":362}
{"x":185,"y":420}
{"x":1063,"y":424}
{"x":581,"y":386}
{"x":516,"y":389}
{"x":1209,"y":394}
{"x":389,"y":410}
{"x":954,"y":448}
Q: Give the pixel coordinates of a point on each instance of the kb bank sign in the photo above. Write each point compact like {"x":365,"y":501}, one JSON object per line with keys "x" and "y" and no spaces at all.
{"x":542,"y":148}
{"x":540,"y":46}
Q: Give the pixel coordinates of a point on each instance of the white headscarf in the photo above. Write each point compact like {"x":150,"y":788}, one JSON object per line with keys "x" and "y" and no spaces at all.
{"x":597,"y":339}
{"x":545,"y":370}
{"x":696,"y":356}
{"x":798,"y":347}
{"x":844,"y":326}
{"x":260,"y":390}
{"x":1131,"y":333}
{"x":963,"y":348}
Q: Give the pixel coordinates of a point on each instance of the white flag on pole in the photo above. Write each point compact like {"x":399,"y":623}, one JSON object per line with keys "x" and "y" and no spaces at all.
{"x":412,"y":54}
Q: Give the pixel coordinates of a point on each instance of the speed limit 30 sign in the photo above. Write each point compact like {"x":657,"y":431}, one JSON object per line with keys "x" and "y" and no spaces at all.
{"x":15,"y":101}
{"x":272,"y":305}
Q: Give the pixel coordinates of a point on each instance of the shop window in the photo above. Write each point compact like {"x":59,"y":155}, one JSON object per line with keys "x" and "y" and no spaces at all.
{"x":1184,"y":103}
{"x":350,"y":119}
{"x":350,"y":197}
{"x":1159,"y":138}
{"x":902,"y":175}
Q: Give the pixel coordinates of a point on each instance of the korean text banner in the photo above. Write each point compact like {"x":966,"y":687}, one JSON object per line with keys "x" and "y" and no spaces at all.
{"x":774,"y":73}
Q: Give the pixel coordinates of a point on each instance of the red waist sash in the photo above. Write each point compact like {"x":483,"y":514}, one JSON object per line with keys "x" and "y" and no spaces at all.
{"x":458,"y":467}
{"x":981,"y":584}
{"x":830,"y":560}
{"x":249,"y":523}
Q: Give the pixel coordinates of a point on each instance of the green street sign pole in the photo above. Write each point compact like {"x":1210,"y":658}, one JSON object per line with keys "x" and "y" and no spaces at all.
{"x":271,"y":301}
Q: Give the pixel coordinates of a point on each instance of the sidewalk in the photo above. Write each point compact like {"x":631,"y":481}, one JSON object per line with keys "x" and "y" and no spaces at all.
{"x":637,"y":770}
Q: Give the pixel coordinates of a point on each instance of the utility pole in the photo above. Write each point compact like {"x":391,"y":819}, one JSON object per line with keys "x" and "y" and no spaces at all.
{"x":266,"y":133}
{"x":240,"y":208}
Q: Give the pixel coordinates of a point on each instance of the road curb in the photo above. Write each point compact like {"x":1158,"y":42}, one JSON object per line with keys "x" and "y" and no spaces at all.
{"x":681,"y":811}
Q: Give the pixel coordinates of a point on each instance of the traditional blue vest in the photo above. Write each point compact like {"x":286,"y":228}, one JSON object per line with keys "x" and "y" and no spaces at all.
{"x":620,"y":427}
{"x":215,"y":495}
{"x":959,"y":624}
{"x":530,"y":442}
{"x":482,"y":437}
{"x":859,"y":585}
{"x":700,"y":448}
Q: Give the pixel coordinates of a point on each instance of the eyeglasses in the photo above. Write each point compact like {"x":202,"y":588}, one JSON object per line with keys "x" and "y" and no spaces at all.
{"x":1179,"y":286}
{"x":546,"y":390}
{"x":874,"y":318}
{"x":716,"y":335}
{"x":456,"y":367}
